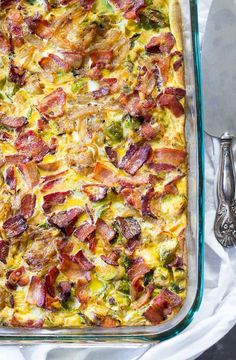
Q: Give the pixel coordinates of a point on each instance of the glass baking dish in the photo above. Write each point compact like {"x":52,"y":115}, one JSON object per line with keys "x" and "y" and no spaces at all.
{"x":195,"y":231}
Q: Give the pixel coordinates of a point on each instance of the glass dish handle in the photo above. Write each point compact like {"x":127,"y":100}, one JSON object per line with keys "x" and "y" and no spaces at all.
{"x":225,"y":221}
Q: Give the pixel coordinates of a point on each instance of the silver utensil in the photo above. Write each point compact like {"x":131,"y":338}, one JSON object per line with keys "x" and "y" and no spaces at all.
{"x":219,"y":90}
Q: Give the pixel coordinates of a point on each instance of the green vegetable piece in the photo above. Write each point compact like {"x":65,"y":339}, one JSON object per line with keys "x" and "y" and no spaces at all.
{"x":177,"y":288}
{"x":161,"y":277}
{"x":173,"y":205}
{"x":77,"y":85}
{"x":167,"y":250}
{"x":2,"y":82}
{"x":152,"y":19}
{"x":115,"y":131}
{"x":148,"y":278}
{"x":131,"y":122}
{"x":123,"y":286}
{"x":179,"y":275}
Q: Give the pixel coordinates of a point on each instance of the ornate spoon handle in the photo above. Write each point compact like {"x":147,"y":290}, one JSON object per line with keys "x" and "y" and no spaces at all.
{"x":225,"y":221}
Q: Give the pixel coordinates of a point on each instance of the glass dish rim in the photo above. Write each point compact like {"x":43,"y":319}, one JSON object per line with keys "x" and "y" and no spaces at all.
{"x":28,"y":337}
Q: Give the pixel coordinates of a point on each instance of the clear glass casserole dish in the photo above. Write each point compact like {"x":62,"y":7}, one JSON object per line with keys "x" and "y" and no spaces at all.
{"x":195,"y":232}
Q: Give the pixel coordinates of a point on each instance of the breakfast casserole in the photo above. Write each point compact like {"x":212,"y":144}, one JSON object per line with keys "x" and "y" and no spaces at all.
{"x":93,"y":163}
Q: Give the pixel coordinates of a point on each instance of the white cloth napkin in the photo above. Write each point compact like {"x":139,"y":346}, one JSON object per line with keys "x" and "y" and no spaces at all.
{"x":216,"y":316}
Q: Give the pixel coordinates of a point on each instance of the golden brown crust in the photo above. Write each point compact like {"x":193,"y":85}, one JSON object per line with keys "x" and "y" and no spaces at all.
{"x":175,"y":17}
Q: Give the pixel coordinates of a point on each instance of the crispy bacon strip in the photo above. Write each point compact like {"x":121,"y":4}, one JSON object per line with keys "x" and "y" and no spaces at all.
{"x":39,"y":26}
{"x":14,"y":226}
{"x":137,"y":107}
{"x":52,"y":106}
{"x":135,"y":157}
{"x":4,"y":44}
{"x":53,"y":63}
{"x":17,"y":277}
{"x":4,"y":136}
{"x":27,"y":205}
{"x":162,"y":43}
{"x":71,"y":268}
{"x":144,"y":298}
{"x":111,"y":258}
{"x":84,"y":263}
{"x":108,"y":322}
{"x":31,"y":145}
{"x":50,"y":280}
{"x":169,"y":98}
{"x":4,"y":250}
{"x":138,"y":269}
{"x":129,"y":226}
{"x":95,"y":192}
{"x":13,"y":122}
{"x":101,"y":57}
{"x":104,"y":230}
{"x":16,"y":74}
{"x":52,"y":166}
{"x":11,"y":178}
{"x":166,"y":159}
{"x":130,"y":8}
{"x":65,"y":220}
{"x":112,"y":155}
{"x":83,"y":231}
{"x":15,"y":27}
{"x":147,"y":131}
{"x":36,"y":293}
{"x":29,"y":324}
{"x":30,"y":174}
{"x":16,"y":159}
{"x":52,"y":199}
{"x":161,"y":306}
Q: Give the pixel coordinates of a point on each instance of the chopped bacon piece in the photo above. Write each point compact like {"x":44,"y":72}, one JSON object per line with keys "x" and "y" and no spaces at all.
{"x":64,"y":246}
{"x":166,"y":159}
{"x":81,"y":290}
{"x":144,"y":298}
{"x":53,"y":63}
{"x":84,"y":263}
{"x":30,"y":173}
{"x":64,"y":288}
{"x":15,"y":27}
{"x":105,"y":231}
{"x":11,"y":178}
{"x":4,"y":250}
{"x":27,"y":205}
{"x":130,"y":8}
{"x":147,"y":131}
{"x":103,"y":91}
{"x":162,"y":43}
{"x":52,"y":199}
{"x":112,"y":155}
{"x":4,"y":136}
{"x":138,"y":269}
{"x":111,"y":258}
{"x":36,"y":293}
{"x":28,"y":324}
{"x":50,"y":280}
{"x":163,"y":63}
{"x":65,"y":220}
{"x":71,"y":268}
{"x":47,"y":178}
{"x":31,"y":145}
{"x":17,"y":277}
{"x":132,"y":197}
{"x":84,"y":230}
{"x":135,"y":157}
{"x":177,"y":262}
{"x":14,"y":226}
{"x":16,"y":74}
{"x":101,"y":57}
{"x":103,"y":174}
{"x":161,"y":306}
{"x":4,"y":44}
{"x":147,"y":80}
{"x":108,"y":322}
{"x":73,"y":59}
{"x":112,"y":83}
{"x":137,"y":107}
{"x":16,"y":159}
{"x":95,"y":192}
{"x":129,"y":226}
{"x":52,"y":105}
{"x":146,"y":202}
{"x":170,"y":98}
{"x":39,"y":26}
{"x":87,"y":4}
{"x":13,"y":122}
{"x":131,"y":245}
{"x":49,"y":185}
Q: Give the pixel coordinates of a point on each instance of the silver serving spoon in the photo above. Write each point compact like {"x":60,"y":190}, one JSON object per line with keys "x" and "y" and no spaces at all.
{"x":219,"y":90}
